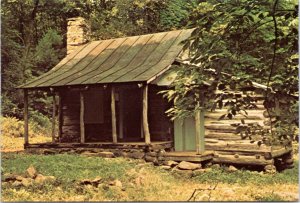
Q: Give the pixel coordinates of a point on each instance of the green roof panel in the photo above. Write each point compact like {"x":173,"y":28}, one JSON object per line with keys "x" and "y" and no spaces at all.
{"x":128,"y":59}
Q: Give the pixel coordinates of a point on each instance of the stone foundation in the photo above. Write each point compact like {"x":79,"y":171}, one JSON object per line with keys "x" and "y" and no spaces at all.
{"x":149,"y":155}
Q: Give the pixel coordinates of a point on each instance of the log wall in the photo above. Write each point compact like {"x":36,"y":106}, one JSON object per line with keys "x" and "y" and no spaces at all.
{"x":70,"y":108}
{"x":228,"y":146}
{"x":222,"y":129}
{"x":70,"y":121}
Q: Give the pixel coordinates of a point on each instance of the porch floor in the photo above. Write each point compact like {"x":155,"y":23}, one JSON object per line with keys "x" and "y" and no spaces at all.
{"x":99,"y":144}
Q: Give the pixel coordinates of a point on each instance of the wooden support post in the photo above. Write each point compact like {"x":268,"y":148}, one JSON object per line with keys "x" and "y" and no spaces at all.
{"x":82,"y":130}
{"x":113,"y":115}
{"x":200,"y":131}
{"x":53,"y":118}
{"x":59,"y":116}
{"x":26,"y":141}
{"x":145,"y":115}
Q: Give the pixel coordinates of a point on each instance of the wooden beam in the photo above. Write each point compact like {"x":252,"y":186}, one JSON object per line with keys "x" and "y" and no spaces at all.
{"x":249,"y":160}
{"x":82,"y":130}
{"x":26,"y":141}
{"x":113,"y":115}
{"x":53,"y":117}
{"x":145,"y":115}
{"x":200,"y":131}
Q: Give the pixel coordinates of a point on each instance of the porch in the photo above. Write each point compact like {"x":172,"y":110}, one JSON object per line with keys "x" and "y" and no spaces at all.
{"x":103,"y":145}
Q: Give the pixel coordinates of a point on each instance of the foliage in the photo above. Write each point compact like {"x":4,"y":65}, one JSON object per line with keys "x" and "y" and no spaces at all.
{"x":13,"y":144}
{"x":46,"y":53}
{"x":13,"y":127}
{"x":237,"y":43}
{"x":176,"y":13}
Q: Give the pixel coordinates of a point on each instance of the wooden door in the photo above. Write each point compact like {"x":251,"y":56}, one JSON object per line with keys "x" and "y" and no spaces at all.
{"x":184,"y":134}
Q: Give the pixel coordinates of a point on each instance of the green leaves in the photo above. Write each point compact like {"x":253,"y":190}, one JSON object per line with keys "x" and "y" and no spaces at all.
{"x":234,"y":46}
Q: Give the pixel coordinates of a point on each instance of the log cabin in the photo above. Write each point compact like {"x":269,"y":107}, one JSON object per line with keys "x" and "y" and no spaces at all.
{"x":106,"y":98}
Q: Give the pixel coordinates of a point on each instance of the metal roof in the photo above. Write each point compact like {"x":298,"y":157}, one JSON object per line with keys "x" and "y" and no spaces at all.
{"x":129,"y":59}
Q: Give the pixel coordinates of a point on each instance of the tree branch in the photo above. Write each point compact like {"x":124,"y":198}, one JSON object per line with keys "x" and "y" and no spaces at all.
{"x":273,"y":58}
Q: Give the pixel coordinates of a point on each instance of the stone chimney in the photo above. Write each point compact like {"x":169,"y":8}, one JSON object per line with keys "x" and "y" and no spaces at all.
{"x":77,"y":34}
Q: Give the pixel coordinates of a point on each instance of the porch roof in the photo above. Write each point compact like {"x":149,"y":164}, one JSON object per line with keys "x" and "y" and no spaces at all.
{"x":129,"y":59}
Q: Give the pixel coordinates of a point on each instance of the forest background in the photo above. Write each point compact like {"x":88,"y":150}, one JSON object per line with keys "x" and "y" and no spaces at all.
{"x":34,"y":39}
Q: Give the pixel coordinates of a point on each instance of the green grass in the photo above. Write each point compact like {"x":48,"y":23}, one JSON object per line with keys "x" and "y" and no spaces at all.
{"x":158,"y":184}
{"x":244,"y":177}
{"x":269,"y":198}
{"x":67,"y":167}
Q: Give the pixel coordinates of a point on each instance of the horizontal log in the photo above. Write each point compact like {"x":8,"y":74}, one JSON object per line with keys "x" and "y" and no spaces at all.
{"x":224,"y":110}
{"x":71,"y":114}
{"x":216,"y":116}
{"x":279,"y":152}
{"x":223,"y":136}
{"x":228,"y":136}
{"x":229,"y":122}
{"x":70,"y":121}
{"x":244,"y":146}
{"x":251,"y":114}
{"x":249,"y":160}
{"x":245,"y":153}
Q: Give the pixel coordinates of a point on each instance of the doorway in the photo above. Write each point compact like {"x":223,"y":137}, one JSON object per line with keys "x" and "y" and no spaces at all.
{"x":130,"y":115}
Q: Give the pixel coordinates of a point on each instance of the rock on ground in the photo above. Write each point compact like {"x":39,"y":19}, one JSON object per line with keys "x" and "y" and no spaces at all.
{"x":231,"y":169}
{"x":27,"y":182}
{"x":170,"y":163}
{"x":184,"y":165}
{"x":271,"y":169}
{"x":16,"y":184}
{"x":106,"y":154}
{"x":185,"y":173}
{"x":40,"y":179}
{"x":216,"y":166}
{"x":118,"y":183}
{"x":9,"y":177}
{"x":95,"y":182}
{"x":31,"y":172}
{"x":165,"y":167}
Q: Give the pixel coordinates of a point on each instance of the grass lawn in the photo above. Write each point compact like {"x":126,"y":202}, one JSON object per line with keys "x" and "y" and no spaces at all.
{"x":141,"y":181}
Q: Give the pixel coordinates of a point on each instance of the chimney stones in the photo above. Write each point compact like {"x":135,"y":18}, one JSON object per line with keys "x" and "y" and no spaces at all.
{"x":77,"y":34}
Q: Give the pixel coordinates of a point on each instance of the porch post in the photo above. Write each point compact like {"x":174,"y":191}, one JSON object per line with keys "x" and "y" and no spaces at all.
{"x":113,"y":115}
{"x":145,"y":115}
{"x":26,"y":141}
{"x":53,"y":117}
{"x":82,"y":131}
{"x":200,"y":131}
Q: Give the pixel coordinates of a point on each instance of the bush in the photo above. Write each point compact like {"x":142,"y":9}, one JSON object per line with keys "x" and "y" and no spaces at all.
{"x":13,"y":127}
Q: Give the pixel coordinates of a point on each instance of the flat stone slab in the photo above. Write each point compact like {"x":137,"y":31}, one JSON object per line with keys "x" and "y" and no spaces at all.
{"x":184,"y":165}
{"x":106,"y":154}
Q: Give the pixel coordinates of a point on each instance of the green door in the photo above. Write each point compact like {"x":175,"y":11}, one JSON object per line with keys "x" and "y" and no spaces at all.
{"x":184,"y":134}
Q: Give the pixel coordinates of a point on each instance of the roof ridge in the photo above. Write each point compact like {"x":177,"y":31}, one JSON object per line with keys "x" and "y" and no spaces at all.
{"x":142,"y":34}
